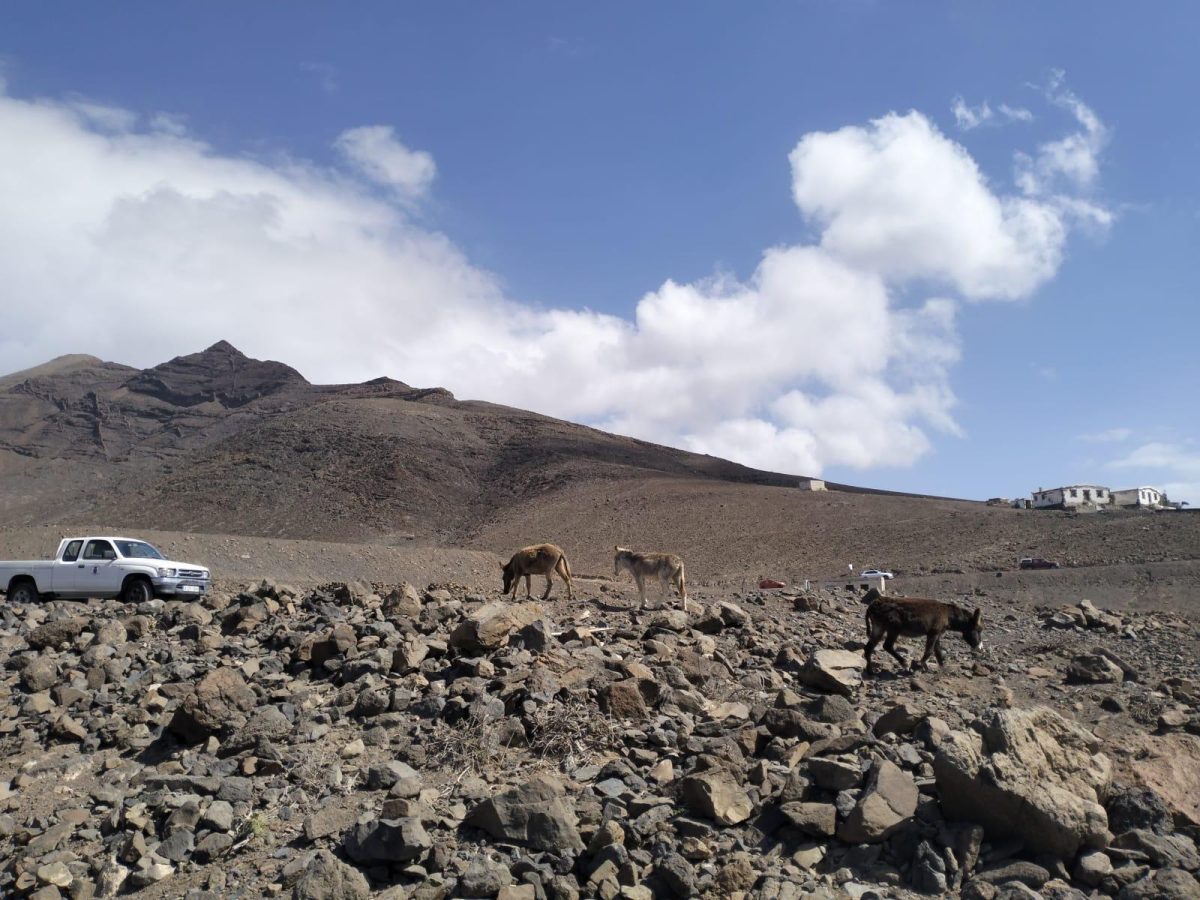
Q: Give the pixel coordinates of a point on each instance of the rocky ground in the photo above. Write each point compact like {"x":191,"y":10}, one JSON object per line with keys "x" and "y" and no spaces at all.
{"x":358,"y":740}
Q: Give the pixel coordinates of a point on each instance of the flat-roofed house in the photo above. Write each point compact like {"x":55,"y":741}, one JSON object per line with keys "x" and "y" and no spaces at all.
{"x":1146,"y":497}
{"x":1072,"y":496}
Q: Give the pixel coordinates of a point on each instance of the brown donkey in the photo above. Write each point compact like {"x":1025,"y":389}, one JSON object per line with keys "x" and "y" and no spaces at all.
{"x":540,"y":559}
{"x":890,"y":617}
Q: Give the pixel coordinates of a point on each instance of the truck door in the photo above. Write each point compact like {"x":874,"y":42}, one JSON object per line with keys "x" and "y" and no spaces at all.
{"x":100,"y":575}
{"x":67,"y":570}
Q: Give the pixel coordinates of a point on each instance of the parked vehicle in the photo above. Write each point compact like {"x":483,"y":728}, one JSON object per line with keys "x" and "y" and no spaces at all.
{"x":1036,"y":562}
{"x":103,"y":566}
{"x":875,"y":573}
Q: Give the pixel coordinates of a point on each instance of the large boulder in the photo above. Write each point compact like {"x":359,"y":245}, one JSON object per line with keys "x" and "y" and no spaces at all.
{"x":886,"y":803}
{"x":716,"y":795}
{"x":387,"y":841}
{"x":1027,"y":773}
{"x":535,"y":814}
{"x":1170,"y":766}
{"x":1094,"y":668}
{"x":218,"y":703}
{"x":834,"y":671}
{"x":328,"y":878}
{"x":52,"y":634}
{"x":623,"y":700}
{"x":317,"y":648}
{"x":488,"y":627}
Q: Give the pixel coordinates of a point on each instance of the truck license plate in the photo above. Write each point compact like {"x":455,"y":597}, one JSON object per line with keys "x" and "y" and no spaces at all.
{"x":190,"y":588}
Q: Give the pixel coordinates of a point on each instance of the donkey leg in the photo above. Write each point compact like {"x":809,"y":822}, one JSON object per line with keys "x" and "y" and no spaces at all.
{"x":641,"y":586}
{"x":528,"y":592}
{"x":565,"y":574}
{"x":889,"y":645}
{"x":930,"y":643}
{"x":549,"y":584}
{"x":872,"y":641}
{"x":939,"y":652}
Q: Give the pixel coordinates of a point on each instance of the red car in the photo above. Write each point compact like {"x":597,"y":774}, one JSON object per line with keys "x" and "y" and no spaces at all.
{"x":1036,"y":562}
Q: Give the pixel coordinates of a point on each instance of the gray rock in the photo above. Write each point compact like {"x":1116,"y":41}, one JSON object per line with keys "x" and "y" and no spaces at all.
{"x":218,"y":816}
{"x":177,"y":846}
{"x":1165,"y":884}
{"x":1093,"y":668}
{"x":1163,"y":850}
{"x":483,"y":877}
{"x":488,"y":627}
{"x":387,"y":841}
{"x":328,"y":878}
{"x":219,"y":703}
{"x":716,"y":795}
{"x":39,"y":674}
{"x":833,"y":671}
{"x":212,"y":846}
{"x":817,"y":819}
{"x":54,"y":634}
{"x":1027,"y":873}
{"x":536,"y":814}
{"x":900,"y":719}
{"x":1132,"y":808}
{"x":1030,"y":774}
{"x":834,"y":774}
{"x":886,"y":803}
{"x":677,"y":874}
{"x":929,"y":870}
{"x":1092,"y":867}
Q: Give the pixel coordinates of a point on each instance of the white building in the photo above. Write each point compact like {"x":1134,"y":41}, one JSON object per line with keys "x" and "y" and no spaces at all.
{"x":1072,"y":496}
{"x":811,"y":484}
{"x":1138,"y":496}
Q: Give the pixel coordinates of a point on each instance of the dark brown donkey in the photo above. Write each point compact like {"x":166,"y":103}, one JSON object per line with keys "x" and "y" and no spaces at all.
{"x":890,"y":617}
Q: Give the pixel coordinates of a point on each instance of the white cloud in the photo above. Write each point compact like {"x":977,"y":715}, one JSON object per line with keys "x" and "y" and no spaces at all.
{"x":969,"y":117}
{"x":901,"y":199}
{"x":325,"y":74}
{"x":138,"y":245}
{"x":1174,"y":467}
{"x":1110,"y":436}
{"x":374,"y":151}
{"x":1072,"y":162}
{"x":1016,"y":113}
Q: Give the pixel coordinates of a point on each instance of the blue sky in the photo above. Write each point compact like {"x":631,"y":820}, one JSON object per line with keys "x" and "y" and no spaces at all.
{"x":631,"y":202}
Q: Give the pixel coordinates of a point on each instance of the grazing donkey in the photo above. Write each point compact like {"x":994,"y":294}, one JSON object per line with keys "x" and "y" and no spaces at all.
{"x":914,"y":617}
{"x":666,"y":567}
{"x":540,"y":559}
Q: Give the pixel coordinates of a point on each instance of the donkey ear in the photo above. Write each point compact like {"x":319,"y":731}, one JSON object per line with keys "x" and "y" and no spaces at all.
{"x":501,"y":565}
{"x":616,"y":548}
{"x":978,"y":615}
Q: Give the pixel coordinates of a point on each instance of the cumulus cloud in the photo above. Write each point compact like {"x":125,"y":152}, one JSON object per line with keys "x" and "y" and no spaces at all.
{"x":899,"y":198}
{"x":1109,"y":436}
{"x":138,"y":244}
{"x":374,"y":151}
{"x":1174,"y":467}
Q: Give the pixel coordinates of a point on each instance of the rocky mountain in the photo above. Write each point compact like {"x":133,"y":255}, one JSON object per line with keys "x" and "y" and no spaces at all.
{"x":218,"y":441}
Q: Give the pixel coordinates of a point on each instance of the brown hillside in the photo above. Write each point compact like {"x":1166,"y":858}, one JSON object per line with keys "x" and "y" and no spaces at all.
{"x":215,"y":442}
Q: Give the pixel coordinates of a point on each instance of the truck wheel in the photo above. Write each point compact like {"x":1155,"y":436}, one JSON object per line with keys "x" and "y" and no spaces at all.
{"x":24,"y":591}
{"x":137,"y":591}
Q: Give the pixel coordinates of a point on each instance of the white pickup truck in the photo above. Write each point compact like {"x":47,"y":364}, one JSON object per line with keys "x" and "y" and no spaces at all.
{"x":105,"y":566}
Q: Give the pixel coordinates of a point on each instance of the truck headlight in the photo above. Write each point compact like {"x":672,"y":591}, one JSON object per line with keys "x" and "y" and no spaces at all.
{"x":166,"y":573}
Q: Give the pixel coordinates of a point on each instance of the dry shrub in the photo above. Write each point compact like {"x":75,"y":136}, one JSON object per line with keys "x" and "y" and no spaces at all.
{"x":563,"y":734}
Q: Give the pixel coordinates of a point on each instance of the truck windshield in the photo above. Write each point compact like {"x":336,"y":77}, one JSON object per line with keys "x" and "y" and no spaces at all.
{"x":138,"y":550}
